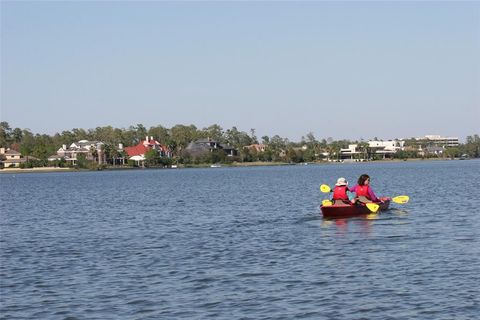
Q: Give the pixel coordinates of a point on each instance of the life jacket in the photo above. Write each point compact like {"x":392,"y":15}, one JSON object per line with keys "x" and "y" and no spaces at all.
{"x":362,"y":191}
{"x":340,"y":193}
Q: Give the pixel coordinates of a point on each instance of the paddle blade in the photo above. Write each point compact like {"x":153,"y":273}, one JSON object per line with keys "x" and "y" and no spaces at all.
{"x":373,"y":207}
{"x":325,"y":188}
{"x":327,"y":203}
{"x":401,"y":199}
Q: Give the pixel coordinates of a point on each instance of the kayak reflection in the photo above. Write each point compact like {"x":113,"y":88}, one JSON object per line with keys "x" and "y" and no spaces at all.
{"x":343,"y":226}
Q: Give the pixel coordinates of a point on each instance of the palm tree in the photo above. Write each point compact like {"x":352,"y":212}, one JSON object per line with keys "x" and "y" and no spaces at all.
{"x":364,"y":147}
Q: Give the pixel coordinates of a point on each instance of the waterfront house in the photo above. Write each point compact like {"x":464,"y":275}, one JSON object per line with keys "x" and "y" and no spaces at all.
{"x":137,"y":152}
{"x":384,"y":149}
{"x":201,"y":146}
{"x":92,"y":150}
{"x":12,"y":158}
{"x":432,"y":150}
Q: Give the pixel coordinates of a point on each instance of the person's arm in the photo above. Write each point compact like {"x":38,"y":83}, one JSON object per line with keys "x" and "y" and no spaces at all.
{"x":352,"y":190}
{"x":372,"y":195}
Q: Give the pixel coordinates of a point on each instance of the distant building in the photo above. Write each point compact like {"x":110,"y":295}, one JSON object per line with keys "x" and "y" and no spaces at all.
{"x":138,"y":152}
{"x":385,"y":149}
{"x":439,"y":141}
{"x":438,"y":151}
{"x":350,"y":152}
{"x":92,"y":150}
{"x":200,"y":146}
{"x":390,"y":145}
{"x":13,"y":158}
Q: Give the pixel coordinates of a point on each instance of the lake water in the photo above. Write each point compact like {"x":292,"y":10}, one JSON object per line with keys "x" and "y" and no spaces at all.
{"x":239,"y":243}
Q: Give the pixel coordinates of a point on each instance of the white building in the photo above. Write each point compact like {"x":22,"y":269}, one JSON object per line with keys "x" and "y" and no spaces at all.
{"x":382,"y":148}
{"x":440,"y":141}
{"x":351,"y":153}
{"x":85,"y":147}
{"x":390,"y":145}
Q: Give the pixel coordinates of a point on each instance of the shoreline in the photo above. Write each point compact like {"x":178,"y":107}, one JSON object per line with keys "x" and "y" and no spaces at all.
{"x":38,"y":169}
{"x":222,"y":165}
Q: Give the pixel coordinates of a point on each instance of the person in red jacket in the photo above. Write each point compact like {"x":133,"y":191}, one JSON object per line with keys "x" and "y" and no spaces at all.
{"x":364,"y":192}
{"x":340,"y":195}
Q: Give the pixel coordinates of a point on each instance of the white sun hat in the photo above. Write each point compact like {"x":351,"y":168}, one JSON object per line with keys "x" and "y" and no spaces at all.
{"x":341,"y":182}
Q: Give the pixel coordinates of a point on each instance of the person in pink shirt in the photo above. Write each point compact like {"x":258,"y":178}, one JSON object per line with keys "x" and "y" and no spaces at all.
{"x":363,"y":191}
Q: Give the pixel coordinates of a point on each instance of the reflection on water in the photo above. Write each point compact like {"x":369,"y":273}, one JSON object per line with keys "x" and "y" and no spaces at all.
{"x":398,"y":212}
{"x":364,"y":224}
{"x":361,"y":225}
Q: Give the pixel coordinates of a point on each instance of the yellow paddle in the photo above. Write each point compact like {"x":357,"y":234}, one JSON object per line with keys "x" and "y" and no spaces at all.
{"x":401,"y":199}
{"x":324,"y":188}
{"x":327,"y":203}
{"x":372,"y":207}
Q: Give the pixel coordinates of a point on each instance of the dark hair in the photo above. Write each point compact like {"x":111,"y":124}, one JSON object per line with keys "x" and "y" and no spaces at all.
{"x":362,"y":179}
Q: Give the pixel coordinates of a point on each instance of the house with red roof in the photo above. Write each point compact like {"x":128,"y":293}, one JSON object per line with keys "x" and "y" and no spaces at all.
{"x":138,"y":152}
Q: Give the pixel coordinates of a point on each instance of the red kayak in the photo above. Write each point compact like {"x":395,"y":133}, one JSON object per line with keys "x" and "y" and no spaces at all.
{"x":350,"y":210}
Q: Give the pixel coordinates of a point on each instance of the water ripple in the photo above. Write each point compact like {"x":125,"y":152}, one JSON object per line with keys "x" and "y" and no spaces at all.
{"x":239,"y":243}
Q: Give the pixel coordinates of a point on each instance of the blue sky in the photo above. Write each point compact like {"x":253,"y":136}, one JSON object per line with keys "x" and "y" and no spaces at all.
{"x":338,"y":69}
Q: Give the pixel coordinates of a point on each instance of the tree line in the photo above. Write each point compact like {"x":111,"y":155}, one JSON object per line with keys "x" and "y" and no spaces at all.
{"x":176,"y":138}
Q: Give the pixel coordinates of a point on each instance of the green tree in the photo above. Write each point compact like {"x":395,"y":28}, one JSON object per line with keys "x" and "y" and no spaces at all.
{"x":311,"y":140}
{"x":452,"y":152}
{"x":27,"y":143}
{"x":364,"y":148}
{"x":214,"y":132}
{"x":217,"y":156}
{"x":5,"y":134}
{"x":309,"y":155}
{"x":277,"y":143}
{"x":17,"y":135}
{"x":159,"y":133}
{"x":246,"y":155}
{"x":82,"y":161}
{"x":80,"y":134}
{"x":104,"y":134}
{"x":43,"y":147}
{"x":253,"y":136}
{"x":152,"y":158}
{"x":237,"y":139}
{"x":333,"y":150}
{"x":183,"y":135}
{"x":66,"y":137}
{"x":136,"y":134}
{"x":472,"y":146}
{"x":267,"y":155}
{"x":292,"y":156}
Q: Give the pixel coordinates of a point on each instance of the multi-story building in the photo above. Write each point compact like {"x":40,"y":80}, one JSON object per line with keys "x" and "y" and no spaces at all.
{"x":439,"y":141}
{"x":384,"y":149}
{"x":13,"y":158}
{"x":92,"y":150}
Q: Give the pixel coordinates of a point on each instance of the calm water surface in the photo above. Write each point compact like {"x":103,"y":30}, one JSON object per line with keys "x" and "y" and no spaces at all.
{"x":239,"y":243}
